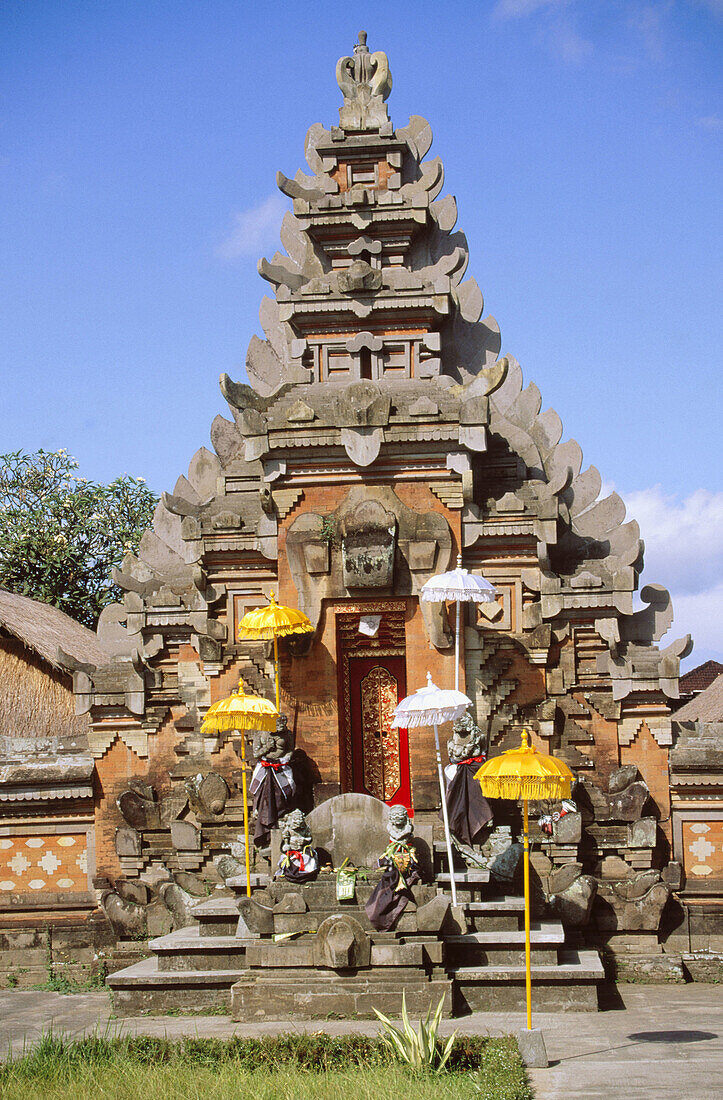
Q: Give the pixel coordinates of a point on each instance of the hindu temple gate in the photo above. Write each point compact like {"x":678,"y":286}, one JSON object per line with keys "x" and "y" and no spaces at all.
{"x":381,"y":435}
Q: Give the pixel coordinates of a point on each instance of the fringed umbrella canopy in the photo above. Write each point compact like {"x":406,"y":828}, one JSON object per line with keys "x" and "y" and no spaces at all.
{"x":458,"y":584}
{"x":430,"y":706}
{"x":274,"y":621}
{"x":463,"y":587}
{"x":524,"y":773}
{"x":240,"y":712}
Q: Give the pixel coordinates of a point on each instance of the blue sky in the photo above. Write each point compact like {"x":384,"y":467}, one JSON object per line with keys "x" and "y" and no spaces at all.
{"x":139,"y":141}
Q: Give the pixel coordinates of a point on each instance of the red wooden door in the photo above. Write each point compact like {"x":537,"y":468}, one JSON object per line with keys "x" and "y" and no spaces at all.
{"x":380,"y":752}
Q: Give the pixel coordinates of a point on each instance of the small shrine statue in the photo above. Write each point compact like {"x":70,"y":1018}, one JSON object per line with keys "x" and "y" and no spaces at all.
{"x":390,"y":896}
{"x":273,"y":783}
{"x":299,"y":860}
{"x":468,"y":810}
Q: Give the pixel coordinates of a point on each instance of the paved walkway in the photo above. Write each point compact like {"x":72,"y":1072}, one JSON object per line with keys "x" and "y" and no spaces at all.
{"x":660,"y":1043}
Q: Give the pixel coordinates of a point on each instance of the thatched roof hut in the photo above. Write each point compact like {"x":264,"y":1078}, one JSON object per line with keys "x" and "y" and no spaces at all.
{"x":39,"y":648}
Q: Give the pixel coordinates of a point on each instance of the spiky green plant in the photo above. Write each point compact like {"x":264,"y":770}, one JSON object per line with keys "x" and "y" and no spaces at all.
{"x":419,"y":1049}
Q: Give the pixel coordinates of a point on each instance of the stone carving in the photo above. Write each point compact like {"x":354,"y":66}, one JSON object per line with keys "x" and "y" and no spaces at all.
{"x":468,"y":811}
{"x":254,"y":918}
{"x":350,"y":826}
{"x":299,"y":860}
{"x":390,"y":896}
{"x":624,"y":800}
{"x":414,"y":532}
{"x":341,"y":943}
{"x":399,"y":827}
{"x":139,"y":807}
{"x":180,"y":904}
{"x":368,"y":546}
{"x":208,"y":793}
{"x":631,"y":905}
{"x":365,"y":81}
{"x":127,"y":917}
{"x":280,"y":780}
{"x":360,"y":276}
{"x":570,"y":895}
{"x":274,"y":745}
{"x":467,"y":739}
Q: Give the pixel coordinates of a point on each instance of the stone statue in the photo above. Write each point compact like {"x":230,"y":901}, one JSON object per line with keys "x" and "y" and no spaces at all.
{"x":274,"y":786}
{"x":276,"y":744}
{"x":467,"y":809}
{"x":466,"y":741}
{"x":400,"y":828}
{"x":365,"y":81}
{"x":390,"y":896}
{"x":299,"y":860}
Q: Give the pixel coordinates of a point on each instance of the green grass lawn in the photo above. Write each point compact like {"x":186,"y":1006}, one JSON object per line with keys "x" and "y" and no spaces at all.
{"x":298,"y":1067}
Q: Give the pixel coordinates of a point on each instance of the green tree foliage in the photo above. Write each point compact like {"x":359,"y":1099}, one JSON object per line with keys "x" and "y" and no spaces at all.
{"x":61,"y":535}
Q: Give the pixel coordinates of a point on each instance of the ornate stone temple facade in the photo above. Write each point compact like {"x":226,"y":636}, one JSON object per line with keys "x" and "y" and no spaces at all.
{"x":379,"y":436}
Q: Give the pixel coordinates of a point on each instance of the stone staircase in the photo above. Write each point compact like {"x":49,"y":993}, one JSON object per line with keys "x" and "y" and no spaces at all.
{"x":295,"y":958}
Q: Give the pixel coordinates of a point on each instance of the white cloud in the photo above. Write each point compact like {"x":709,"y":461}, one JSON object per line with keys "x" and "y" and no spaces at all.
{"x":567,"y":43}
{"x":517,"y":9}
{"x":647,"y":21}
{"x":700,"y":615}
{"x":254,"y":229}
{"x":683,"y":537}
{"x":710,"y":122}
{"x":684,"y":552}
{"x":558,"y":32}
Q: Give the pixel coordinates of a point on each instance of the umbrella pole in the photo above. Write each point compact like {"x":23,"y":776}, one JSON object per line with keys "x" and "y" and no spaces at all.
{"x":456,"y":649}
{"x":276,"y":669}
{"x":246,"y":812}
{"x":447,"y":836}
{"x":528,"y":975}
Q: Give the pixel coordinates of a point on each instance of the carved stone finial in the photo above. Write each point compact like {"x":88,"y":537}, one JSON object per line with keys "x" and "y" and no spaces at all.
{"x":365,"y":81}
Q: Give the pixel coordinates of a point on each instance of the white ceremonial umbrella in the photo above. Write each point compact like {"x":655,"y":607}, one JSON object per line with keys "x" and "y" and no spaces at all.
{"x":463,"y":587}
{"x":430,"y":706}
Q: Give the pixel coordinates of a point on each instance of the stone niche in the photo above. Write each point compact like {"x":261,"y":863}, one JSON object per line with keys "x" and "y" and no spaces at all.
{"x":368,"y":546}
{"x":371,"y":542}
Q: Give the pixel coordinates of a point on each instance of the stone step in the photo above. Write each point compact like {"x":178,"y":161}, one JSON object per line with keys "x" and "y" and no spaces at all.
{"x":500,"y":914}
{"x":468,"y":879}
{"x":258,"y":882}
{"x":261,"y":997}
{"x":144,"y":987}
{"x":572,"y":963}
{"x":546,"y":933}
{"x":217,"y":916}
{"x":502,"y":904}
{"x":300,"y":954}
{"x":568,"y":985}
{"x":186,"y":949}
{"x":311,"y":920}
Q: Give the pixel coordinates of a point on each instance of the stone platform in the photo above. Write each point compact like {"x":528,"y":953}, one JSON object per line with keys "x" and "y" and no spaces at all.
{"x":293,"y":951}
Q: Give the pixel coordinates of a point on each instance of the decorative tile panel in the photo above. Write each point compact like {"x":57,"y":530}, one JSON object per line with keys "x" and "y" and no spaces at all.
{"x":32,"y":864}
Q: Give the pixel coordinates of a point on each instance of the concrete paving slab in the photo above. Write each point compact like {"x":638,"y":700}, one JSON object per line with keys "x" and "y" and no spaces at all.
{"x":660,"y":1043}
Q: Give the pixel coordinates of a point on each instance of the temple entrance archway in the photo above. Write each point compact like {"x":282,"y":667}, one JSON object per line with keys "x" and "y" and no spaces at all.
{"x":372,"y":680}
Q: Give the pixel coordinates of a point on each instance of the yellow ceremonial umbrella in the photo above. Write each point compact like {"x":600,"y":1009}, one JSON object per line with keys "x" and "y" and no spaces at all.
{"x":525,"y":774}
{"x":241,"y":712}
{"x":274,"y":621}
